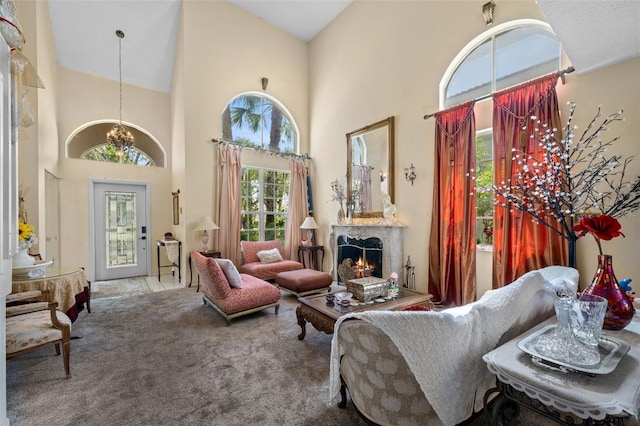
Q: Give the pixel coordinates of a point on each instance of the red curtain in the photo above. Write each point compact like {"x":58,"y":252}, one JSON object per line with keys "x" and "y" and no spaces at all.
{"x":519,"y":244}
{"x":452,"y":259}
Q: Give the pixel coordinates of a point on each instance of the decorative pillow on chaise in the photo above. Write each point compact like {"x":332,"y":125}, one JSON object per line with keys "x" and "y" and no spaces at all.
{"x":231,"y":272}
{"x":269,"y":256}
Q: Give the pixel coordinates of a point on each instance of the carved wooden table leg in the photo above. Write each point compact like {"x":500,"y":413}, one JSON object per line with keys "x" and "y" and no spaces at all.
{"x":317,"y":319}
{"x":301,"y":322}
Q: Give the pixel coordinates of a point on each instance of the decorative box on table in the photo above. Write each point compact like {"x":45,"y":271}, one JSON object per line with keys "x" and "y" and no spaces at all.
{"x":368,"y":288}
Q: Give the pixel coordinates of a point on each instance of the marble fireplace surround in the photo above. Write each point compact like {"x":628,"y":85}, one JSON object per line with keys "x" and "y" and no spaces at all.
{"x":392,"y":237}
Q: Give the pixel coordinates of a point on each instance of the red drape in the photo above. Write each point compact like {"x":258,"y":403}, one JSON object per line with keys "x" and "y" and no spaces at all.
{"x":519,"y":244}
{"x":452,"y":260}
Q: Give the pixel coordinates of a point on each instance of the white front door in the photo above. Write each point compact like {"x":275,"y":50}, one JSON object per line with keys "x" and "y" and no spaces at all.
{"x":120,"y":230}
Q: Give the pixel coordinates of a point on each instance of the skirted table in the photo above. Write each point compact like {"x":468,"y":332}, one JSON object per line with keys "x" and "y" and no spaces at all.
{"x":611,"y":397}
{"x":67,"y":286}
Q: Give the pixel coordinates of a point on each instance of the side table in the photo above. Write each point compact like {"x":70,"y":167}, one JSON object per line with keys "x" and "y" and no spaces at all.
{"x":564,"y":397}
{"x":206,"y":253}
{"x":161,"y":243}
{"x":312,"y":253}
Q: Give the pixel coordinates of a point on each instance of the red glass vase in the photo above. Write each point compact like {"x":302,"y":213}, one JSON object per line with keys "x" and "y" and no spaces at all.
{"x":620,"y":309}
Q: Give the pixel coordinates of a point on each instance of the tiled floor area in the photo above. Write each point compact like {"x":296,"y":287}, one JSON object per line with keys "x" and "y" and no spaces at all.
{"x":134,"y":285}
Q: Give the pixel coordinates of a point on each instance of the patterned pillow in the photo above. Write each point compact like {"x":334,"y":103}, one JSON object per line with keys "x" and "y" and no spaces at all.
{"x":213,"y":279}
{"x":231,"y":272}
{"x":269,"y":256}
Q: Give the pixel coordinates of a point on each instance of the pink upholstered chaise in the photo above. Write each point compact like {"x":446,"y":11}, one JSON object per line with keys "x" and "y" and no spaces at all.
{"x":267,"y":271}
{"x":253,"y":294}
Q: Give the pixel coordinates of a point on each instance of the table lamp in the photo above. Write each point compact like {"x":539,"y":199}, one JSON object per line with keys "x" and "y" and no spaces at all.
{"x":309,"y":224}
{"x":203,"y":225}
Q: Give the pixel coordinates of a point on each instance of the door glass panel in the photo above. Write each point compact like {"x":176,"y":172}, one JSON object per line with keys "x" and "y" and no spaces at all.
{"x":121,"y":229}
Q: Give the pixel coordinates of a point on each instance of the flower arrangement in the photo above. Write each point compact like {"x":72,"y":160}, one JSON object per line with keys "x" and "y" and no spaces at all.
{"x":26,"y":235}
{"x":338,"y":191}
{"x":601,"y":227}
{"x":574,"y":176}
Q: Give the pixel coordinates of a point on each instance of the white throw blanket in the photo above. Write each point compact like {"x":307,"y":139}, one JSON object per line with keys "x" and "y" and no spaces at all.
{"x":172,"y":250}
{"x":444,"y":351}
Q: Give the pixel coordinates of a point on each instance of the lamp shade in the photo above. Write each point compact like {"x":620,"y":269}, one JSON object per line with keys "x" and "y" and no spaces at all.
{"x":309,"y":223}
{"x":205,"y":223}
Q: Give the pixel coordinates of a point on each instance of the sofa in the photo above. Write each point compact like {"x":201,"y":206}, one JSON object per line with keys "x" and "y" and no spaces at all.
{"x":272,"y":261}
{"x":231,"y":293}
{"x":416,"y":367}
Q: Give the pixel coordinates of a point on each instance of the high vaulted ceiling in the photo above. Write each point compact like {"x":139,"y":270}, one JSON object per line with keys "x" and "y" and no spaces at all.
{"x":594,"y":34}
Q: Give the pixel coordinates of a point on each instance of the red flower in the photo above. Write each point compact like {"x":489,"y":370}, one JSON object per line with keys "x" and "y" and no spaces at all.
{"x":602,"y":227}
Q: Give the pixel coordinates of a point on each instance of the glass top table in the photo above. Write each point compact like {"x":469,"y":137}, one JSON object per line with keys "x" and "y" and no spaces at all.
{"x":613,"y":396}
{"x":315,"y":310}
{"x":66,"y":285}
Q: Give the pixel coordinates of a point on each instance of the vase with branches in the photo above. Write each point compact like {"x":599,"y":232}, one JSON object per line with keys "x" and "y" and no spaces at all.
{"x":573,"y":176}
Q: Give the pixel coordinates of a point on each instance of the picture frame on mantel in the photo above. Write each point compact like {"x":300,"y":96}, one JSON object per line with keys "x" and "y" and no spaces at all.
{"x":176,"y":207}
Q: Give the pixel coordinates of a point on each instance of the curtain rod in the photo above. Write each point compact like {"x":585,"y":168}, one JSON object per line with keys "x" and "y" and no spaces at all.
{"x":262,"y":150}
{"x":560,"y":74}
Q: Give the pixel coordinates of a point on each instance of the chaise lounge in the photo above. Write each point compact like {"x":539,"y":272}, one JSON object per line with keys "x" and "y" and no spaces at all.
{"x":265,"y":259}
{"x":426,"y":367}
{"x":230,"y":293}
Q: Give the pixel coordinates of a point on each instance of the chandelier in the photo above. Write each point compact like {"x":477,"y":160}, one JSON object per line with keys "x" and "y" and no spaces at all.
{"x":120,"y":137}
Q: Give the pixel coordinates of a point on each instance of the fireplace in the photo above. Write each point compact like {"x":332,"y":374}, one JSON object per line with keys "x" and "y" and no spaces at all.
{"x":365,"y":255}
{"x":385,"y":254}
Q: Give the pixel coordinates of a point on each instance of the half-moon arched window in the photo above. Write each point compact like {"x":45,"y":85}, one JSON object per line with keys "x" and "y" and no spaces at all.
{"x":88,"y":142}
{"x":501,"y":57}
{"x":256,"y":120}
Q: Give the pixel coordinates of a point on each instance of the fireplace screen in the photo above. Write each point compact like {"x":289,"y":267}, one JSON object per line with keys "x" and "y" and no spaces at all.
{"x":363,"y":257}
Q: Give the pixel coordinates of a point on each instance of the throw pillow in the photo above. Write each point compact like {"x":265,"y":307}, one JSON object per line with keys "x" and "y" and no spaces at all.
{"x":269,"y":256}
{"x":231,"y":272}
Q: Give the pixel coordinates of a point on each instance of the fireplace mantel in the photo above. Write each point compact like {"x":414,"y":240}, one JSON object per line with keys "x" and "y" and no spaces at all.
{"x":392,"y":245}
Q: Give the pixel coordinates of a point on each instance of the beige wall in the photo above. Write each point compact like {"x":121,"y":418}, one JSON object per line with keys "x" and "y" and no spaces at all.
{"x":387,"y":58}
{"x":225,"y":52}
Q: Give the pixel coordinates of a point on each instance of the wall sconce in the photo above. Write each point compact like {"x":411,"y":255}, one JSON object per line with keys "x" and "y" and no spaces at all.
{"x":383,"y":176}
{"x":265,"y":83}
{"x":410,"y":174}
{"x":487,"y":12}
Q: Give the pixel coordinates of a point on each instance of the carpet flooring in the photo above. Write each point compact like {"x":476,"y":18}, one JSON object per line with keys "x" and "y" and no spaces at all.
{"x":165,"y":358}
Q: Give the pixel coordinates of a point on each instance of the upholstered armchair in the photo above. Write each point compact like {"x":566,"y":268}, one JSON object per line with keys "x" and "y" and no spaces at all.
{"x":264,"y":259}
{"x":32,"y":326}
{"x":231,"y":293}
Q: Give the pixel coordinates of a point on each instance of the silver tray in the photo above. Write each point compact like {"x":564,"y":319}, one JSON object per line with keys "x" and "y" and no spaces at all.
{"x":611,"y":352}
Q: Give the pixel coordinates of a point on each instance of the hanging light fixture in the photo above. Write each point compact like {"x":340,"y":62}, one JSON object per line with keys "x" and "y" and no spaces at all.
{"x":120,"y":137}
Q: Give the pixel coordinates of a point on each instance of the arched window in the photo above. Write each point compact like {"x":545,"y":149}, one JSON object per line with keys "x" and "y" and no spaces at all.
{"x":253,"y":119}
{"x":503,"y":56}
{"x":88,"y":142}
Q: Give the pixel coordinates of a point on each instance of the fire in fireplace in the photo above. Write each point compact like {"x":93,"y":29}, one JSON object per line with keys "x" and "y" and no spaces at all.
{"x":365,"y":255}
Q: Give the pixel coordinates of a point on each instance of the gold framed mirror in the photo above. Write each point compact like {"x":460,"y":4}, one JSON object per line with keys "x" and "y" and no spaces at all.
{"x":370,"y":168}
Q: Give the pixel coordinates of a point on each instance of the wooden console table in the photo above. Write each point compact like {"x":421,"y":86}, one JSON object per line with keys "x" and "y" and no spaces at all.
{"x":564,"y":397}
{"x":323,"y":317}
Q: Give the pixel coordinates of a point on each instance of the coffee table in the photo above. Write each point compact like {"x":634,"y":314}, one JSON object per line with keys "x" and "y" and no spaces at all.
{"x":314,"y":309}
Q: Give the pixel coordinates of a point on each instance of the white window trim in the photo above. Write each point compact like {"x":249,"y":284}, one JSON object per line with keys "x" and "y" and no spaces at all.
{"x":473,"y":44}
